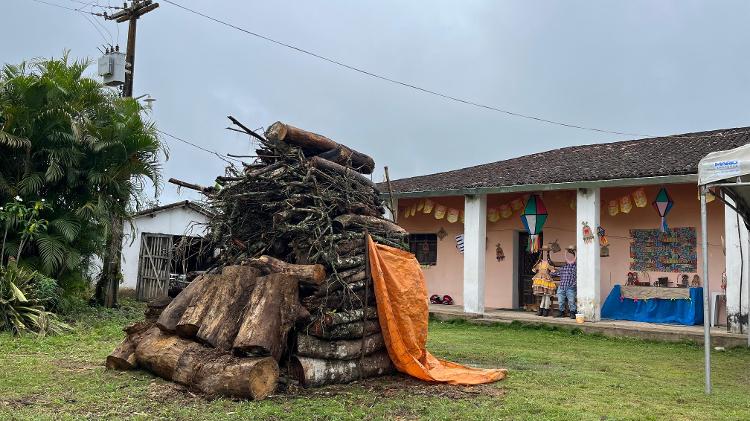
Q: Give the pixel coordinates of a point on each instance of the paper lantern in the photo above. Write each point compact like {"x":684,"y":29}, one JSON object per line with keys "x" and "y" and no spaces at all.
{"x":572,"y":203}
{"x":405,"y":212}
{"x":516,"y":204}
{"x":428,"y":206}
{"x":493,"y":214}
{"x":626,"y":205}
{"x":505,"y":211}
{"x":413,"y":209}
{"x":533,"y":217}
{"x":614,"y":207}
{"x":420,"y":205}
{"x":461,"y":217}
{"x":663,"y":204}
{"x":440,"y":211}
{"x":452,"y":215}
{"x":639,"y":196}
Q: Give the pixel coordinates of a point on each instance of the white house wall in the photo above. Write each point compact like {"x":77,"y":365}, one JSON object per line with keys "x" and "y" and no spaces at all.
{"x":175,"y":221}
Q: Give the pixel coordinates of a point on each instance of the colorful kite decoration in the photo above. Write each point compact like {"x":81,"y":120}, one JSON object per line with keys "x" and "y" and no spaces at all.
{"x":663,"y":204}
{"x":533,"y":217}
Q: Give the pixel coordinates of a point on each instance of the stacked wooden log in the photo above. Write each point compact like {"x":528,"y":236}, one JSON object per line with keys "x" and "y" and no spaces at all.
{"x":293,"y":290}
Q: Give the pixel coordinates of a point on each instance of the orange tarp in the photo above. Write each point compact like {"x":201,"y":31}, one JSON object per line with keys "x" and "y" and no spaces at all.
{"x":402,"y":309}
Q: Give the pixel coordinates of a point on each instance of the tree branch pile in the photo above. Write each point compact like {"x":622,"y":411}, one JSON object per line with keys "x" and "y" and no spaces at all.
{"x":293,"y":295}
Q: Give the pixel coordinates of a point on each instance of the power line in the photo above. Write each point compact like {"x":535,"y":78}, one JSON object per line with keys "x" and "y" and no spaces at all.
{"x":404,"y":84}
{"x":65,"y":7}
{"x":221,"y":156}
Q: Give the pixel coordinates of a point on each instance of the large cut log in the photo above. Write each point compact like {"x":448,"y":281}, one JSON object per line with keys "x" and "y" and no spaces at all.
{"x":346,"y":279}
{"x":123,"y":357}
{"x":345,"y":172}
{"x":318,"y":372}
{"x":220,"y":322}
{"x":269,"y":315}
{"x":345,"y":331}
{"x":314,"y":144}
{"x":172,"y":314}
{"x":206,"y":369}
{"x":309,"y":274}
{"x":310,"y":346}
{"x":155,"y":307}
{"x":342,"y":317}
{"x":369,"y":222}
{"x":339,"y":300}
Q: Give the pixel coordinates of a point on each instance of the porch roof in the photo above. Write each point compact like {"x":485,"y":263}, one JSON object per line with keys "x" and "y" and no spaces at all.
{"x":661,"y":159}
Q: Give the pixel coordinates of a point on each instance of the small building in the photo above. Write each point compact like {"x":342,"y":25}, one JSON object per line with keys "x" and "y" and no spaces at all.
{"x":467,"y":231}
{"x":163,"y":243}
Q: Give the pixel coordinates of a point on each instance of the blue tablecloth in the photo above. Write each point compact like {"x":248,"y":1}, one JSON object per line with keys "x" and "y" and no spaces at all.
{"x":655,"y":310}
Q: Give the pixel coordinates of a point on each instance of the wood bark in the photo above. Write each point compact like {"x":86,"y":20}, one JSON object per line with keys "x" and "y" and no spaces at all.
{"x":310,"y":274}
{"x":220,"y":322}
{"x":313,"y":347}
{"x":346,"y":172}
{"x":318,"y":372}
{"x":373,"y":223}
{"x":351,"y":330}
{"x":172,"y":314}
{"x":269,"y":315}
{"x":338,"y":300}
{"x":331,"y":319}
{"x":123,"y":357}
{"x":313,"y":144}
{"x":206,"y":369}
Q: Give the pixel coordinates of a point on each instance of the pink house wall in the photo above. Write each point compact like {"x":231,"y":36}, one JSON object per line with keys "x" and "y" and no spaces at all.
{"x":447,"y":276}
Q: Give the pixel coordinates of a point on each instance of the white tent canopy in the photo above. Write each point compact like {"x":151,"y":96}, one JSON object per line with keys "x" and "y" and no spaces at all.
{"x":729,"y":172}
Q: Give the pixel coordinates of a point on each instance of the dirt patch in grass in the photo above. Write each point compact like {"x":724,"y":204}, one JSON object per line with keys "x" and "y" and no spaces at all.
{"x":396,"y":386}
{"x":74,"y":365}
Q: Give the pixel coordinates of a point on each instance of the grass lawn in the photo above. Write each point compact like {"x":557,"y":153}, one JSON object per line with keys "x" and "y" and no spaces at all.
{"x":553,"y":375}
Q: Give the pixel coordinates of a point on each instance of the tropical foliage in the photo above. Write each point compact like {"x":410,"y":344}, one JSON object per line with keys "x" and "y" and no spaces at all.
{"x":25,"y":297}
{"x":79,"y":153}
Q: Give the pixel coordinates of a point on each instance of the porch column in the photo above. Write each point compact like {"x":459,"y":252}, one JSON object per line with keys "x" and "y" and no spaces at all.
{"x":475,"y":240}
{"x":738,"y":270}
{"x":588,"y":260}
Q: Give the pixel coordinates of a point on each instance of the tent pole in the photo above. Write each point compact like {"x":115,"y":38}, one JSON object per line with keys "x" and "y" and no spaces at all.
{"x":706,"y":304}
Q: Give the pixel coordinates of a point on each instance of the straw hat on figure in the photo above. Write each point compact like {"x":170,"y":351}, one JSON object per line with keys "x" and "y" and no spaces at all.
{"x":542,"y":283}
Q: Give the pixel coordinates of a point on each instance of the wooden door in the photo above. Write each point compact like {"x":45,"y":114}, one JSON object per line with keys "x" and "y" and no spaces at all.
{"x":154,"y":266}
{"x":526,"y":262}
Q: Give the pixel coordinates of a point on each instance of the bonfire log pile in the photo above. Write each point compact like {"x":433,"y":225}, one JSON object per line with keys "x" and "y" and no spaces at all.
{"x":292,"y":299}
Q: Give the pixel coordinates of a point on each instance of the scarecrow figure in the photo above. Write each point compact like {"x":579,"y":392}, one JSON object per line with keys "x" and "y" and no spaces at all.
{"x":542,"y":283}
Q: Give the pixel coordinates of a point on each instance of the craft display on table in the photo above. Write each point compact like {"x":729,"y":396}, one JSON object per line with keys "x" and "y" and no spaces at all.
{"x":635,"y":292}
{"x":499,"y":253}
{"x":626,"y":205}
{"x":663,"y":204}
{"x":657,"y":251}
{"x":428,"y":206}
{"x":452,"y":215}
{"x":533,"y":217}
{"x":440,"y":211}
{"x":683,"y":281}
{"x":588,"y":235}
{"x":639,"y":196}
{"x":632,"y":278}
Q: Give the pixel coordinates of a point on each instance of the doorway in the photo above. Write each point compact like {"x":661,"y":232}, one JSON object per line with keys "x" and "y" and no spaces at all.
{"x":526,"y":262}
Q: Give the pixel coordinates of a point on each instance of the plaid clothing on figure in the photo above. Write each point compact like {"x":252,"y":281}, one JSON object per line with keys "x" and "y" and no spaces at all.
{"x":567,"y":276}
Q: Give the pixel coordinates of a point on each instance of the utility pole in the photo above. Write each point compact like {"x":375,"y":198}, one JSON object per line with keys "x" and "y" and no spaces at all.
{"x":109,"y":282}
{"x":131,"y":14}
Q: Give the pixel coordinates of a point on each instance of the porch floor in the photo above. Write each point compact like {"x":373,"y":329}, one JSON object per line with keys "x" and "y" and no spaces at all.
{"x":614,"y":328}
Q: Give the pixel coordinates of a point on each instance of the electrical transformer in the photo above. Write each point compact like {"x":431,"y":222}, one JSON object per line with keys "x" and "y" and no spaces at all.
{"x":112,"y":68}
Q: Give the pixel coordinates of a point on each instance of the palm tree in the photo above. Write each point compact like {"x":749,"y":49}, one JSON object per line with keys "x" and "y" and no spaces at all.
{"x":68,"y":139}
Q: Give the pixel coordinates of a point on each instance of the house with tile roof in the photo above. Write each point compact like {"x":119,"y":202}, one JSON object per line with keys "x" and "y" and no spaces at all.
{"x":608,"y":186}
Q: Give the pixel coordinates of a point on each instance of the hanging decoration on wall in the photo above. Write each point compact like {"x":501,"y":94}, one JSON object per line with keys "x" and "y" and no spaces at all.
{"x":663,"y":204}
{"x":461,"y":217}
{"x":499,"y":253}
{"x":440,"y":211}
{"x":588,"y":235}
{"x":404,"y":212}
{"x":604,"y":251}
{"x":639,"y":196}
{"x":555,"y":247}
{"x":428,"y":205}
{"x":516,"y":204}
{"x":603,"y":241}
{"x":493,"y":215}
{"x":460,"y":243}
{"x":452,"y":215}
{"x":505,"y":211}
{"x":614,"y":207}
{"x":626,"y":205}
{"x":533,"y":217}
{"x":441,"y":233}
{"x":420,"y":205}
{"x":572,"y":203}
{"x":413,"y":209}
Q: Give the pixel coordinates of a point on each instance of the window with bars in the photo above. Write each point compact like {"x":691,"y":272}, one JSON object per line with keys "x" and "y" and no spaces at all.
{"x":424,"y":247}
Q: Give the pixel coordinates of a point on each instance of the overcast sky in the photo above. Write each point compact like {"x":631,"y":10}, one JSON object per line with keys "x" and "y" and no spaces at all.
{"x":653,"y":67}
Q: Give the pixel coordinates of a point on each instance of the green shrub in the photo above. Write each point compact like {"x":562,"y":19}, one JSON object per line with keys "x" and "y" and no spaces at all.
{"x":23,"y":297}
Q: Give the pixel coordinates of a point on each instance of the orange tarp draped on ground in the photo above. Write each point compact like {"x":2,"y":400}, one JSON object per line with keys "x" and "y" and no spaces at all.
{"x":402,"y":309}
